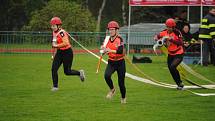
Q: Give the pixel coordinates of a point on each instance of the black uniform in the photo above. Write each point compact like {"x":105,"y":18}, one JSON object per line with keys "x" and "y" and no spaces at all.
{"x":65,"y":57}
{"x":207,"y":34}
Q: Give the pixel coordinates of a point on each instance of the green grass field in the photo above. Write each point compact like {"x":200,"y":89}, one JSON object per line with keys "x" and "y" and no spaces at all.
{"x":25,"y":83}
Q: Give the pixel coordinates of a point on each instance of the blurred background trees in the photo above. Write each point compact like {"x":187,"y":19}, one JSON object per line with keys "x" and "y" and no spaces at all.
{"x":74,"y":17}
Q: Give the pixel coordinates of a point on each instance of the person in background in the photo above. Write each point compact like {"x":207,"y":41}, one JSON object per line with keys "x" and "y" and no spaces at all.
{"x":190,"y":43}
{"x":181,"y":21}
{"x":174,"y":43}
{"x":115,"y":49}
{"x":187,"y":36}
{"x":207,"y":36}
{"x":64,"y":53}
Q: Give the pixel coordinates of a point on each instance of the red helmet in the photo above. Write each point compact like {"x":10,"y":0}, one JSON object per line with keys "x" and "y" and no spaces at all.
{"x":113,"y":24}
{"x":55,"y":21}
{"x":170,"y":22}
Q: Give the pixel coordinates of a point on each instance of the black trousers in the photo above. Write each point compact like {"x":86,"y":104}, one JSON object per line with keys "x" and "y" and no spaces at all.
{"x":208,"y":48}
{"x":118,"y":66}
{"x":65,"y":57}
{"x":173,"y":61}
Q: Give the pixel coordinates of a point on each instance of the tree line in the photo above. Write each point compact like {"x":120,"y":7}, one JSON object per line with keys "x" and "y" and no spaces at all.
{"x":78,"y":15}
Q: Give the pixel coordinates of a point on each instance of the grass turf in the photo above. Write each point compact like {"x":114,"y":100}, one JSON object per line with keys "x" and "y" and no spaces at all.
{"x":25,"y":83}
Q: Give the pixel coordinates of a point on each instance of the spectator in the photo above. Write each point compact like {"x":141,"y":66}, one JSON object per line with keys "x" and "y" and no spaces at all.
{"x":187,"y":36}
{"x":207,"y":35}
{"x":181,"y":21}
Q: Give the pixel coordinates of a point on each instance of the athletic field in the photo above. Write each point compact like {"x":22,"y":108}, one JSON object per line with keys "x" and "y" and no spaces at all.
{"x":25,"y":83}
